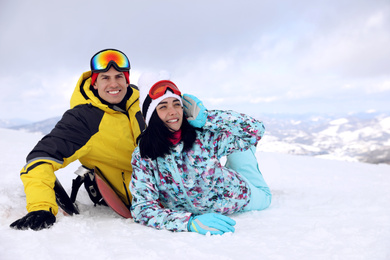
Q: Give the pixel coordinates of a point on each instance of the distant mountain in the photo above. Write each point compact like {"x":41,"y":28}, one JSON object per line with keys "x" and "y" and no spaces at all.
{"x":43,"y":127}
{"x":6,"y":123}
{"x":361,"y":137}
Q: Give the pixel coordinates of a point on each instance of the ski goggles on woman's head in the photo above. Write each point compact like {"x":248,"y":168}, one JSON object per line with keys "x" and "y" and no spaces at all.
{"x":159,"y":89}
{"x":103,"y":60}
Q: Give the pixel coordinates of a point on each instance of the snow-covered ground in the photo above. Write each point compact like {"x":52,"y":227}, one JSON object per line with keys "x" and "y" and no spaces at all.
{"x":321,"y":209}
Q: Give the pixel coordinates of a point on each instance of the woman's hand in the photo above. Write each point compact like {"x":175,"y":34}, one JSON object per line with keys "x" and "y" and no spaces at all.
{"x":214,"y":223}
{"x":195,"y":111}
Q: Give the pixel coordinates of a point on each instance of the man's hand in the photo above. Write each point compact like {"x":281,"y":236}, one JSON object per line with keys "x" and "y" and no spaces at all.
{"x":36,"y":220}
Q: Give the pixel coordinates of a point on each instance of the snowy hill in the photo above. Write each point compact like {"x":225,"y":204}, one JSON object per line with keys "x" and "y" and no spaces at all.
{"x":321,"y":209}
{"x":361,"y":137}
{"x":8,"y":123}
{"x":42,"y":127}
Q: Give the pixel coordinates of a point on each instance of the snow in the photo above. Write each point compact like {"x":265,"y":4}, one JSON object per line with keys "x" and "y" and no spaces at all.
{"x":339,"y":121}
{"x":330,"y":131}
{"x":321,"y":209}
{"x":385,"y":123}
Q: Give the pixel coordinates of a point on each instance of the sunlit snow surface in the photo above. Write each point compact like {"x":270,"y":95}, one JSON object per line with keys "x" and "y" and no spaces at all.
{"x":321,"y":209}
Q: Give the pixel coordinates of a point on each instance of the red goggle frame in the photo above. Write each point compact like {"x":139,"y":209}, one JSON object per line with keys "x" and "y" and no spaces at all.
{"x":160,"y":87}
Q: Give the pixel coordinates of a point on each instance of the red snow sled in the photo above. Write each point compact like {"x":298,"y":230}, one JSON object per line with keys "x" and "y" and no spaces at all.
{"x":109,"y":195}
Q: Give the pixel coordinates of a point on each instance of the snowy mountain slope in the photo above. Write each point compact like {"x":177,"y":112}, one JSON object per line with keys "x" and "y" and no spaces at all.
{"x":361,"y":137}
{"x":8,"y":123}
{"x":321,"y":209}
{"x":43,"y":127}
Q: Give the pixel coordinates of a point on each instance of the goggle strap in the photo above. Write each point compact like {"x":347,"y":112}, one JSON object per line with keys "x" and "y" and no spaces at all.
{"x":111,"y":63}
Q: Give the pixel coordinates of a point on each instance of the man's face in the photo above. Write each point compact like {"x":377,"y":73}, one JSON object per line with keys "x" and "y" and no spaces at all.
{"x":111,"y":85}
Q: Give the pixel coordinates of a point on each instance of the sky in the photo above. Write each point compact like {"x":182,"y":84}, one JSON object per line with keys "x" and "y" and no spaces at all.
{"x":252,"y":56}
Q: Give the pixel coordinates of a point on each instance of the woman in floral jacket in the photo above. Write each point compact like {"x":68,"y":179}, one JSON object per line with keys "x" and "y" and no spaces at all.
{"x":178,"y":182}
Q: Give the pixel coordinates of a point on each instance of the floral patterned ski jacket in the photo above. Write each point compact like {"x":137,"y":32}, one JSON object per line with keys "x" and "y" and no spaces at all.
{"x":168,"y":190}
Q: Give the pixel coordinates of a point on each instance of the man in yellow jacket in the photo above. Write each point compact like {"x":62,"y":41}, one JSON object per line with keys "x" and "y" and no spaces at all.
{"x":100,"y":130}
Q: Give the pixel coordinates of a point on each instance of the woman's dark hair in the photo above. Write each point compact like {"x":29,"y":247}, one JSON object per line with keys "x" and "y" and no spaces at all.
{"x":154,"y":141}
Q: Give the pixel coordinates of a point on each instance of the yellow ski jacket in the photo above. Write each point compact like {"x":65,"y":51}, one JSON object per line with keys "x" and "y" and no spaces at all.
{"x":96,"y":134}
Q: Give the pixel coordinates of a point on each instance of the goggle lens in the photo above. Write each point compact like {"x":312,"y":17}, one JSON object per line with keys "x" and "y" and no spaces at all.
{"x":104,"y":59}
{"x":159,"y":89}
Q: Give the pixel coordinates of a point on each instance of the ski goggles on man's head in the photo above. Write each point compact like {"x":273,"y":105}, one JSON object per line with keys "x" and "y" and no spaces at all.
{"x":103,"y":60}
{"x":159,"y":89}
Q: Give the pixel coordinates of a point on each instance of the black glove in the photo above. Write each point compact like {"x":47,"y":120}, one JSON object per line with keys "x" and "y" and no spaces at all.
{"x":35,"y":220}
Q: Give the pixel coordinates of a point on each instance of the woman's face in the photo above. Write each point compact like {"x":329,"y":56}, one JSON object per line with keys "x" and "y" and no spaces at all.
{"x":170,"y":112}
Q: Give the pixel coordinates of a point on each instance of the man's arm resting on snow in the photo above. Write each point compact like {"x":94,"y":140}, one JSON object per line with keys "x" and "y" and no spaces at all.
{"x":56,"y":150}
{"x":39,"y":187}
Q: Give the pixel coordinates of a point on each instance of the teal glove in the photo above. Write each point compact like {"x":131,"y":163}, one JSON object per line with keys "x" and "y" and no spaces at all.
{"x":195,"y":111}
{"x":214,"y":223}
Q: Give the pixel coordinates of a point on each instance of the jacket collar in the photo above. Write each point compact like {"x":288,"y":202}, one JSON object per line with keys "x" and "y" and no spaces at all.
{"x":83,"y":94}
